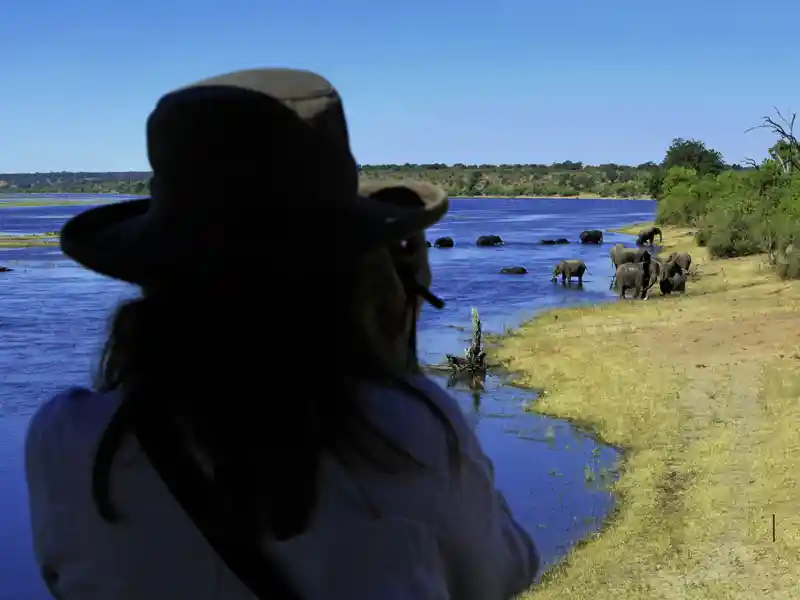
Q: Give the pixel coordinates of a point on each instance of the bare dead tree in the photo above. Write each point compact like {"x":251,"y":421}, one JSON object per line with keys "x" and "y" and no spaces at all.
{"x":751,"y":163}
{"x":784,"y":129}
{"x":473,"y":364}
{"x":786,"y":152}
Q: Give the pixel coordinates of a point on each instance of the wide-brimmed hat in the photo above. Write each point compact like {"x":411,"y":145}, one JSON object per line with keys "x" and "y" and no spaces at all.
{"x":245,"y":164}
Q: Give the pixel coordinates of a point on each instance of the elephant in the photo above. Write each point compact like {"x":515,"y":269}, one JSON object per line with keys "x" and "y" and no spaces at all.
{"x":621,"y":255}
{"x":489,"y":240}
{"x":671,"y":268}
{"x":444,"y":242}
{"x":684,"y":259}
{"x":554,"y":242}
{"x":646,"y":236}
{"x":513,"y":271}
{"x":632,"y":276}
{"x":592,"y":236}
{"x":569,"y":269}
{"x":678,"y":282}
{"x":675,"y":283}
{"x":5,"y":270}
{"x":428,"y":244}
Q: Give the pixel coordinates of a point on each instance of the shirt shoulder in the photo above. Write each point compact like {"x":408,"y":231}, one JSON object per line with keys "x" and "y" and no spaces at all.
{"x":417,"y":415}
{"x":66,"y":422}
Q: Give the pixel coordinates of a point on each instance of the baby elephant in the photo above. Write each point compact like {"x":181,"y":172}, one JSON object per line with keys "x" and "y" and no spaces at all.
{"x":569,"y":269}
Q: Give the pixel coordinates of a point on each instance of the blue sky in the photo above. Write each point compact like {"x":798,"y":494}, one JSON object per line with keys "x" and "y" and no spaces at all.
{"x":508,"y":81}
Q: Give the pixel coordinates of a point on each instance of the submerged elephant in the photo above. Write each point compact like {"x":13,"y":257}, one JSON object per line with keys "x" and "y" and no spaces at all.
{"x":632,"y":276}
{"x":569,"y":269}
{"x":592,"y":236}
{"x":675,"y":283}
{"x":444,"y":242}
{"x":646,"y":236}
{"x":5,"y":270}
{"x":684,"y":259}
{"x":513,"y":271}
{"x":554,"y":242}
{"x":489,"y":240}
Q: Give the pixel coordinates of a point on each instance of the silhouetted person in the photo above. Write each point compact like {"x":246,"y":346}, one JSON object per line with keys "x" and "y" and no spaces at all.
{"x":226,"y":452}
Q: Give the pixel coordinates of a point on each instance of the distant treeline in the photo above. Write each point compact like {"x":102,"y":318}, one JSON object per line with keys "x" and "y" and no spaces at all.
{"x":558,"y":179}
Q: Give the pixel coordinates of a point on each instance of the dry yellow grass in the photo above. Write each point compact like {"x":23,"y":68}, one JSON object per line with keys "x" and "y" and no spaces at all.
{"x":27,"y":241}
{"x":702,"y":391}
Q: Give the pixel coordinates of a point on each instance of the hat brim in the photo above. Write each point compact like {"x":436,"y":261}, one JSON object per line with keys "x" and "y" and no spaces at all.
{"x":125,"y":241}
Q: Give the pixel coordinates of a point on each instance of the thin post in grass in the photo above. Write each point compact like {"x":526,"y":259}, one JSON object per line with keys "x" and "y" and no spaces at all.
{"x":773,"y":528}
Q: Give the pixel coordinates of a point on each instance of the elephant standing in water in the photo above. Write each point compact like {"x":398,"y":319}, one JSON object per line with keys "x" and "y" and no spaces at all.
{"x":569,"y":269}
{"x":592,"y":236}
{"x":647,"y":236}
{"x":637,"y":276}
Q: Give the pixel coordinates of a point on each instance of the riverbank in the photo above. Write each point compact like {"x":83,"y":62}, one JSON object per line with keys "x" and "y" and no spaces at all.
{"x":702,"y":393}
{"x":21,"y":203}
{"x":28,"y":240}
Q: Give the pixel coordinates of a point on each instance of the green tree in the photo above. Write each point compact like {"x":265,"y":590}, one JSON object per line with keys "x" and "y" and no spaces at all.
{"x":693,"y":154}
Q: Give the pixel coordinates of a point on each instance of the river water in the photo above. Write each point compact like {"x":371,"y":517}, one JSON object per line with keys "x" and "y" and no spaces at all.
{"x":555,"y":478}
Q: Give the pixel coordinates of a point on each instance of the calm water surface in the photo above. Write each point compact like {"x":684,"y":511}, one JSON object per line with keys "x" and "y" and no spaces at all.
{"x":54,"y":314}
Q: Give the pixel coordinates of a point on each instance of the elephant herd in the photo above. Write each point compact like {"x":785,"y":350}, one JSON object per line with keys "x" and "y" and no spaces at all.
{"x":484,"y":240}
{"x":591,"y":236}
{"x":635,"y":269}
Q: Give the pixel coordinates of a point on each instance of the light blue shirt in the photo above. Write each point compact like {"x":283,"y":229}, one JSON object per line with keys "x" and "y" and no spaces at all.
{"x":441,"y":533}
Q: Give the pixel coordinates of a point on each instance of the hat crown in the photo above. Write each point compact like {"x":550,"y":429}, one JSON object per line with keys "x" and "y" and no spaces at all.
{"x":281,"y":127}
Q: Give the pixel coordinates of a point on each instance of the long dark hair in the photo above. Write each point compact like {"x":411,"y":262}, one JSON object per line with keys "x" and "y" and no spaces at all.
{"x":263,"y":389}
